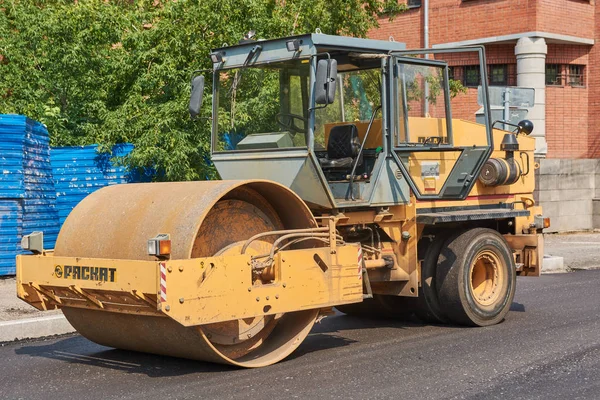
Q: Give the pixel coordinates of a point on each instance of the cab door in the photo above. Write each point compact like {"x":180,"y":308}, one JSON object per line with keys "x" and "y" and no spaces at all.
{"x":436,"y":163}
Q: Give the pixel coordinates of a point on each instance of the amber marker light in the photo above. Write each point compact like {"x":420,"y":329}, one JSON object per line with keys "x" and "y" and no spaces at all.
{"x":159,"y":246}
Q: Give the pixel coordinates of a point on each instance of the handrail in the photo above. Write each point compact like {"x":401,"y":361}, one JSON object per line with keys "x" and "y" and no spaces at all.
{"x":362,"y":146}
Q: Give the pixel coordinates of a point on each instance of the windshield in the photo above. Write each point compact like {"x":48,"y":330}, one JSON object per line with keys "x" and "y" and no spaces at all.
{"x":263,"y":107}
{"x":358,"y":94}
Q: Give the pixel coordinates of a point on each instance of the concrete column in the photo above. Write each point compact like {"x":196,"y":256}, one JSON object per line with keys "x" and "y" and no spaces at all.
{"x":531,"y":72}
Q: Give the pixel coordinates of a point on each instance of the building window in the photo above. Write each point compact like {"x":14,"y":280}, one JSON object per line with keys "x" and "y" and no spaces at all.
{"x":499,"y":75}
{"x":553,"y":75}
{"x":575,"y":75}
{"x":472,"y":75}
{"x":413,"y":3}
{"x":457,"y":73}
{"x":561,"y":74}
{"x":451,"y":72}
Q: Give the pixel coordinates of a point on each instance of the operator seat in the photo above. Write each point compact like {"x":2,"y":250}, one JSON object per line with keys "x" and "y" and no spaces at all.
{"x":342,"y":148}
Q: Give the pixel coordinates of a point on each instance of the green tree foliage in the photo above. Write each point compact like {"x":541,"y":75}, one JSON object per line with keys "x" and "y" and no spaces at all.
{"x":99,"y":71}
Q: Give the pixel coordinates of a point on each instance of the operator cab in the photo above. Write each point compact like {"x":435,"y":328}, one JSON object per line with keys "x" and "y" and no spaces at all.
{"x":341,"y":121}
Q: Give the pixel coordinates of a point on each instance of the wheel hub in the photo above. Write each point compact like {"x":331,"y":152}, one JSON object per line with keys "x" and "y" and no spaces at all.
{"x":486,"y":280}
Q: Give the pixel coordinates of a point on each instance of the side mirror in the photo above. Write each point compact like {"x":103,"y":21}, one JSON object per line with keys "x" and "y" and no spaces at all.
{"x":326,"y":80}
{"x":526,"y":127}
{"x":196,"y":96}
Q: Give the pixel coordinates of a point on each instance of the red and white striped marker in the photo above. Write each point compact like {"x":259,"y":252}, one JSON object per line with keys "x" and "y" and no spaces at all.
{"x":163,"y":282}
{"x":360,"y":263}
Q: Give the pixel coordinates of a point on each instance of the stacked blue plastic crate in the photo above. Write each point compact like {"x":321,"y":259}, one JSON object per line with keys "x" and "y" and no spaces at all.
{"x":12,"y":189}
{"x":39,"y":205}
{"x":11,"y":220}
{"x":27,"y":195}
{"x":79,"y":171}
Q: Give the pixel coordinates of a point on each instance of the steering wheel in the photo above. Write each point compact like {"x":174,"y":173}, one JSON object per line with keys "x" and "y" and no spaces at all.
{"x":291,"y":125}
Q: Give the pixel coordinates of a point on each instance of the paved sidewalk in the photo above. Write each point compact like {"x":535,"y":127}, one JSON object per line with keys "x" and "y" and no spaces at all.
{"x":579,"y":250}
{"x":18,"y":320}
{"x":12,"y":308}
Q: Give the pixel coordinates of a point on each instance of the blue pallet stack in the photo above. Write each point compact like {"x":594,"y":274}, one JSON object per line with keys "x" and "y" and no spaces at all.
{"x":11,"y":220}
{"x":12,"y":189}
{"x":39,"y":205}
{"x":81,"y":170}
{"x":27,"y":195}
{"x":39,"y":186}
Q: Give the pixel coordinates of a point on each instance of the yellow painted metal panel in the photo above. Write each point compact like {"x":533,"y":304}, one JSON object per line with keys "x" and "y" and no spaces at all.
{"x":197,"y":291}
{"x":89,"y":273}
{"x":48,"y":282}
{"x":217,"y":289}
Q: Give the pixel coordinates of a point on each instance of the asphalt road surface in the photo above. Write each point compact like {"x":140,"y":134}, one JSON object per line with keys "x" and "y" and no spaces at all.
{"x":547,"y":348}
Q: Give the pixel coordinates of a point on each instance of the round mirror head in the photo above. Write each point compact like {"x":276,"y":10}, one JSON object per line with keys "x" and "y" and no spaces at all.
{"x":526,"y":126}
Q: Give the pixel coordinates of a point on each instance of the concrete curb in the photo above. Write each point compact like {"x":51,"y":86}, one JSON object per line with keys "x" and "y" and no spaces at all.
{"x":554,"y":265}
{"x":32,"y":328}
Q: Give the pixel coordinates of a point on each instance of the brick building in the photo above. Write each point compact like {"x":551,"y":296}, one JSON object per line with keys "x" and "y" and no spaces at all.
{"x":550,"y":45}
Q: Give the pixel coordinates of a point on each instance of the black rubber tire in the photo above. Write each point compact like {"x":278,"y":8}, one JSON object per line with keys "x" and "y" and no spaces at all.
{"x":428,"y":307}
{"x":454,"y":277}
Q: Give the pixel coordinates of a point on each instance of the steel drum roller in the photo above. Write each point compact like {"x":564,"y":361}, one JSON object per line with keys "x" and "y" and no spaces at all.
{"x":203,"y":219}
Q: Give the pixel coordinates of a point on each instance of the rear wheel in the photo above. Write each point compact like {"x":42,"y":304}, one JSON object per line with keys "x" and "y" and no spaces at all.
{"x":428,"y":307}
{"x":476,"y":277}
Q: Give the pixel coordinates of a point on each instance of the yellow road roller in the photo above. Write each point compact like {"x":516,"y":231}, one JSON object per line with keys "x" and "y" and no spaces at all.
{"x":346,"y":184}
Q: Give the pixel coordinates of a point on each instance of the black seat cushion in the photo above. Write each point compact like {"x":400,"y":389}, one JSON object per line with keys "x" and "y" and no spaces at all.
{"x":342,"y":148}
{"x":343,"y":142}
{"x":336,"y":163}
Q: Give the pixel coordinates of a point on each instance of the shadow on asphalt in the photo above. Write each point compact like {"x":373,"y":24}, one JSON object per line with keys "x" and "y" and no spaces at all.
{"x":78,"y":350}
{"x":325,"y":335}
{"x":342,"y":322}
{"x":318,"y":342}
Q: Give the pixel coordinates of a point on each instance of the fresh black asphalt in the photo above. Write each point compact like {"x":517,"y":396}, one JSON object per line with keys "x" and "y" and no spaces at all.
{"x":547,"y":348}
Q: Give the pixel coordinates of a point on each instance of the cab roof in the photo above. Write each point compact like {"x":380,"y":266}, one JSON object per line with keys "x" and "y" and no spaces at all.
{"x":309,"y":44}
